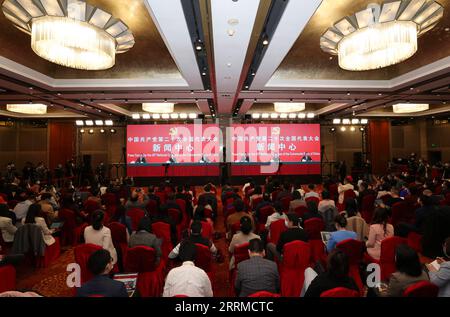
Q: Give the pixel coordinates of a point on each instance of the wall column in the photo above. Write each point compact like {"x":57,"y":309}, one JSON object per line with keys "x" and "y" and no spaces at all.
{"x":61,"y":142}
{"x":379,"y":145}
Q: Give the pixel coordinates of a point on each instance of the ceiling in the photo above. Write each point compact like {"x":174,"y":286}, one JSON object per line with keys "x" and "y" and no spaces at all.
{"x":233,"y":74}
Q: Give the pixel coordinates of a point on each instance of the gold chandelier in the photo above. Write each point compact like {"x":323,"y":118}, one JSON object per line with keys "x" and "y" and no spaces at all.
{"x":158,"y":107}
{"x":409,"y":107}
{"x":32,"y":108}
{"x":70,"y":33}
{"x":381,"y":35}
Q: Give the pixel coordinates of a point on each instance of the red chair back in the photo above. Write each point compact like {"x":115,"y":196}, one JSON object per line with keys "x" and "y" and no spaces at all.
{"x":387,"y":256}
{"x":333,"y":188}
{"x":400,"y":213}
{"x":296,"y":256}
{"x":162,"y":197}
{"x":421,"y":289}
{"x":175,"y":215}
{"x":285,"y":201}
{"x":136,"y":215}
{"x":91,"y":205}
{"x":275,"y":194}
{"x":385,"y":198}
{"x":235,"y":227}
{"x":312,"y":198}
{"x":68,"y":235}
{"x":12,"y":203}
{"x":118,"y":233}
{"x":162,"y":231}
{"x":276,"y":229}
{"x":82,"y":254}
{"x":241,"y":253}
{"x":301,"y":210}
{"x":207,"y":230}
{"x":182,"y":203}
{"x":264,"y":212}
{"x":313,"y":227}
{"x":350,"y":193}
{"x":208,"y":213}
{"x":109,"y":199}
{"x":152,"y":207}
{"x":354,"y":250}
{"x":264,"y":294}
{"x":367,"y":207}
{"x":140,"y":259}
{"x":203,"y":258}
{"x":340,"y":292}
{"x":255,"y":202}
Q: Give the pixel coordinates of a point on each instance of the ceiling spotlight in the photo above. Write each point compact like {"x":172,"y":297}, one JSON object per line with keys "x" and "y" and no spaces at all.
{"x":165,"y":116}
{"x":283,"y":115}
{"x":146,"y":116}
{"x":89,"y":122}
{"x":301,"y":115}
{"x":348,"y":93}
{"x":265,"y":41}
{"x":361,"y":129}
{"x":79,"y":122}
{"x":108,"y":122}
{"x":98,"y":122}
{"x":274,"y":115}
{"x":174,"y":115}
{"x":352,"y":129}
{"x":346,"y":121}
{"x":156,"y":116}
{"x":91,"y":131}
{"x":333,"y":129}
{"x":292,"y":115}
{"x":336,"y":121}
{"x":256,"y":115}
{"x":203,"y":73}
{"x":246,"y":87}
{"x":192,"y":116}
{"x":102,"y":130}
{"x":343,"y":129}
{"x":355,"y":121}
{"x":113,"y":130}
{"x":135,"y":116}
{"x":265,"y":116}
{"x":198,"y":47}
{"x":310,"y":115}
{"x":82,"y":131}
{"x":183,"y":115}
{"x":364,"y":121}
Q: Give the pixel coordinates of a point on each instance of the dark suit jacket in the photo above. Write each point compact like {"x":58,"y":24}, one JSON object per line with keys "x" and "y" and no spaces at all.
{"x":102,"y":285}
{"x":291,"y":234}
{"x":257,"y":274}
{"x":324,"y":282}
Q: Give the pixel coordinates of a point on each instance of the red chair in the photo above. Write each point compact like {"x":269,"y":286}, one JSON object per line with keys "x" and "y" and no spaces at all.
{"x":82,"y":254}
{"x":276,"y":229}
{"x":152,"y":207}
{"x":301,"y":211}
{"x":141,"y":259}
{"x":209,"y":213}
{"x":264,"y":294}
{"x":415,"y":241}
{"x":68,"y":230}
{"x":264,"y":212}
{"x":207,"y":230}
{"x":12,"y":203}
{"x":340,"y":292}
{"x":367,"y":207}
{"x":175,"y":215}
{"x":355,"y":252}
{"x":52,"y":253}
{"x":385,"y":198}
{"x":421,"y":289}
{"x":313,"y":227}
{"x":285,"y":201}
{"x":275,"y":194}
{"x":162,"y":231}
{"x":333,"y":189}
{"x":186,"y":218}
{"x":204,"y":260}
{"x":255,"y":202}
{"x":312,"y":198}
{"x":110,"y":199}
{"x":235,"y":227}
{"x":401,"y":212}
{"x":240,"y":254}
{"x":119,"y":238}
{"x":350,"y":193}
{"x":162,"y":197}
{"x":136,"y":215}
{"x":387,"y":256}
{"x":91,"y":205}
{"x":7,"y":278}
{"x":296,"y":255}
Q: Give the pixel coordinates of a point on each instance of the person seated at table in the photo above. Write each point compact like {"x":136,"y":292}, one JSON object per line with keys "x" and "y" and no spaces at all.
{"x":100,"y":264}
{"x":409,"y":271}
{"x":306,"y":158}
{"x":141,"y":159}
{"x":312,"y":192}
{"x":441,"y":276}
{"x":275,"y":158}
{"x":336,"y":275}
{"x":340,"y":234}
{"x":204,"y":159}
{"x":172,"y":159}
{"x":245,"y":159}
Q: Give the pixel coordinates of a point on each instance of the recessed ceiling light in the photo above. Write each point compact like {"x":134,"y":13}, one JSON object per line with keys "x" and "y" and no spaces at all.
{"x":79,"y":122}
{"x":146,"y":116}
{"x":98,"y":122}
{"x":109,"y":122}
{"x":255,"y":115}
{"x":89,"y":122}
{"x":265,"y":115}
{"x":283,"y":115}
{"x":343,"y":129}
{"x":364,"y":121}
{"x":336,"y":121}
{"x":352,"y":129}
{"x":192,"y":116}
{"x":198,"y":47}
{"x":183,"y":115}
{"x":265,"y":42}
{"x":274,"y":115}
{"x":231,"y":32}
{"x":228,"y":64}
{"x":301,"y":115}
{"x":310,"y":115}
{"x":165,"y":116}
{"x":135,"y":116}
{"x":292,"y":115}
{"x":82,"y":131}
{"x":91,"y":131}
{"x":102,"y":130}
{"x":156,"y":116}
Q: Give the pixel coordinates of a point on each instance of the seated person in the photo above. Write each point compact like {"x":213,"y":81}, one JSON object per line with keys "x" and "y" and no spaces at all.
{"x":209,"y":197}
{"x":336,"y":275}
{"x":245,"y":235}
{"x":441,"y":276}
{"x":340,"y":234}
{"x":277,"y":214}
{"x":312,"y":212}
{"x":144,"y":237}
{"x":194,"y":237}
{"x":34,"y":216}
{"x":409,"y":271}
{"x":100,"y":235}
{"x":296,"y":201}
{"x":326,"y":202}
{"x":120,"y":216}
{"x":172,"y":159}
{"x":379,"y":230}
{"x":141,"y":159}
{"x":235,"y":217}
{"x":187,"y":279}
{"x":7,"y":227}
{"x":100,"y":264}
{"x":204,"y":159}
{"x":312,"y":192}
{"x":293,"y":233}
{"x":306,"y":158}
{"x":256,"y":274}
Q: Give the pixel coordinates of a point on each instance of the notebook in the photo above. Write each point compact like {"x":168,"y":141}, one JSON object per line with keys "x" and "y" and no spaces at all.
{"x":129,"y":279}
{"x":325,"y":236}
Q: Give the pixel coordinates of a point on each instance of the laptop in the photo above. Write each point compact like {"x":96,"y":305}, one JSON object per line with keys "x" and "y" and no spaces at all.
{"x":57,"y":225}
{"x":129,"y":279}
{"x":325,"y":236}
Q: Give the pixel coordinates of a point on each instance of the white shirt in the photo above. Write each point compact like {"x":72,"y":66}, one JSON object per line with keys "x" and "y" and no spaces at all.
{"x":312,"y":194}
{"x":187,"y":280}
{"x":101,"y":238}
{"x":326,"y":204}
{"x":274,"y":217}
{"x":342,"y":189}
{"x":46,"y":232}
{"x":7,"y":229}
{"x":21,"y":209}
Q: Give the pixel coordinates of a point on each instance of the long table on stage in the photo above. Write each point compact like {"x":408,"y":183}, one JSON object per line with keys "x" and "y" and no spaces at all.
{"x":173,"y":170}
{"x":288,"y":168}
